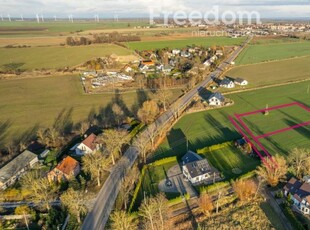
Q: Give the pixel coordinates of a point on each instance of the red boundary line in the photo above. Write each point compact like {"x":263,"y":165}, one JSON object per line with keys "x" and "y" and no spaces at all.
{"x":272,"y":108}
{"x":283,"y":130}
{"x":247,"y":139}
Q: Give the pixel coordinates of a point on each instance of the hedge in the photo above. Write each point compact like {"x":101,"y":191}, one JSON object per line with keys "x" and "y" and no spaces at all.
{"x":213,"y":187}
{"x":178,"y":199}
{"x":214,"y":147}
{"x":137,"y":189}
{"x":292,"y":218}
{"x":136,"y":130}
{"x":164,"y":161}
{"x":248,"y":175}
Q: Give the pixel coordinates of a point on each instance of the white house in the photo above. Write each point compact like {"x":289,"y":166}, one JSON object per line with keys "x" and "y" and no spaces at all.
{"x":227,"y":83}
{"x":216,"y":99}
{"x":185,"y":54}
{"x":240,"y":81}
{"x":176,"y":51}
{"x":300,"y":194}
{"x":87,"y":146}
{"x":219,"y":52}
{"x":128,"y":69}
{"x":195,"y":168}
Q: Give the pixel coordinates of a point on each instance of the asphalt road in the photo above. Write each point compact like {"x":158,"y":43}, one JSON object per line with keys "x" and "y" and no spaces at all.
{"x":98,"y":216}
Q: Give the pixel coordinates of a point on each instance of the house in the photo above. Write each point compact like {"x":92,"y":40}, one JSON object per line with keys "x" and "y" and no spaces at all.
{"x":240,"y":81}
{"x":143,"y":67}
{"x":176,"y":52}
{"x":68,"y":168}
{"x":196,"y":169}
{"x":16,"y":168}
{"x":147,"y":62}
{"x":87,"y":146}
{"x":216,"y":99}
{"x":44,"y":153}
{"x":219,"y":52}
{"x":300,"y":194}
{"x":128,"y":69}
{"x":167,"y":69}
{"x":192,"y":50}
{"x":185,"y":54}
{"x":227,"y":83}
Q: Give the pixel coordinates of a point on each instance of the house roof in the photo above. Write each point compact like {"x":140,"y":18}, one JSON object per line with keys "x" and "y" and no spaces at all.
{"x":190,"y":156}
{"x":218,"y":96}
{"x":298,"y":189}
{"x":226,"y":81}
{"x":89,"y":141}
{"x":67,"y":165}
{"x":198,"y":168}
{"x":16,"y":165}
{"x":147,"y":62}
{"x":239,"y":80}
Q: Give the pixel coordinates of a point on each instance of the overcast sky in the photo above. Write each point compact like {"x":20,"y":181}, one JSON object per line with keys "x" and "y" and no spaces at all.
{"x":141,"y":8}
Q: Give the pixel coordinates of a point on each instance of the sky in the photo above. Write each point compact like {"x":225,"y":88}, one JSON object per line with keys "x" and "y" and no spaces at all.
{"x":141,"y":8}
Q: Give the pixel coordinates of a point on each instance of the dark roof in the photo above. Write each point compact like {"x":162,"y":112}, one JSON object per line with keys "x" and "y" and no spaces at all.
{"x":198,"y":168}
{"x":239,"y":80}
{"x":190,"y":157}
{"x":218,"y":95}
{"x":16,"y":165}
{"x":225,"y":81}
{"x":297,"y":188}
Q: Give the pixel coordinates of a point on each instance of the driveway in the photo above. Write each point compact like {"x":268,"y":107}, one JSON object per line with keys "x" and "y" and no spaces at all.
{"x":179,"y":184}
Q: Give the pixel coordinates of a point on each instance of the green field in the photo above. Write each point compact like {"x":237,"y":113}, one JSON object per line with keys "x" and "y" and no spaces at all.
{"x":261,"y":53}
{"x":199,"y":41}
{"x":228,"y":158}
{"x":273,"y":72}
{"x":56,"y":57}
{"x":28,"y":103}
{"x":212,"y":127}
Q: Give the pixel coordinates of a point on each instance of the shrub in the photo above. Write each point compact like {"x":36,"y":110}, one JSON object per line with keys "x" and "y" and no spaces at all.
{"x":164,"y":161}
{"x":292,"y":218}
{"x":213,"y":187}
{"x":248,"y":175}
{"x":208,"y":149}
{"x":178,"y":199}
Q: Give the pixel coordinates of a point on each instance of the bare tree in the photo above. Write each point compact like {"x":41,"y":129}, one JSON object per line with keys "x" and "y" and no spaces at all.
{"x":148,"y":112}
{"x":162,"y":96}
{"x":42,"y":137}
{"x":245,"y":189}
{"x":205,"y":203}
{"x":74,"y":201}
{"x":143,"y":145}
{"x":53,"y":136}
{"x":83,"y":126}
{"x":114,"y":141}
{"x":151,"y":132}
{"x":273,"y":171}
{"x":299,"y":161}
{"x":128,"y":184}
{"x":123,"y":221}
{"x":96,"y":164}
{"x":119,"y":113}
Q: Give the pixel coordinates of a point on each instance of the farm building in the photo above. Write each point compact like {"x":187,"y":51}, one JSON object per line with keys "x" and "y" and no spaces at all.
{"x":87,"y":146}
{"x":196,"y":169}
{"x":16,"y":168}
{"x":66,"y":169}
{"x":227,"y":83}
{"x":240,"y":81}
{"x":216,"y":99}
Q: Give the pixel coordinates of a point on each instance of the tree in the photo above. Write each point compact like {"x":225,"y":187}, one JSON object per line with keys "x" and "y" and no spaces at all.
{"x":53,"y":136}
{"x":299,"y":161}
{"x":123,"y":221}
{"x":205,"y":203}
{"x":24,"y":210}
{"x":154,"y":212}
{"x":162,"y":96}
{"x":273,"y":170}
{"x":74,"y":201}
{"x":245,"y":189}
{"x":143,"y":146}
{"x":151,"y":132}
{"x":114,"y":141}
{"x":148,"y":112}
{"x":42,"y":137}
{"x":96,"y":164}
{"x":119,"y":113}
{"x":83,"y":126}
{"x":128,"y":184}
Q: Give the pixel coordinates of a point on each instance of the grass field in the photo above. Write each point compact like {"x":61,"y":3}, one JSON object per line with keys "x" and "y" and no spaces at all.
{"x":57,"y":57}
{"x":269,"y":52}
{"x":181,"y":43}
{"x":227,"y":158}
{"x":212,"y":127}
{"x":26,"y":103}
{"x":273,"y":72}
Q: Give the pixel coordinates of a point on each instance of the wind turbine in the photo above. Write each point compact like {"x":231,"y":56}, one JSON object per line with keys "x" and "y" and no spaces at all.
{"x":70,"y":18}
{"x":96,"y":18}
{"x":115,"y":17}
{"x":9,"y":17}
{"x":21,"y":17}
{"x":38,"y":19}
{"x":55,"y":18}
{"x":1,"y":17}
{"x":42,"y":18}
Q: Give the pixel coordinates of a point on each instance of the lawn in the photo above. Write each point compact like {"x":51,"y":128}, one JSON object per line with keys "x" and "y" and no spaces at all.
{"x":181,"y":43}
{"x":228,"y":158}
{"x":269,"y":52}
{"x":28,"y":103}
{"x":212,"y":127}
{"x":56,"y":57}
{"x":273,"y":72}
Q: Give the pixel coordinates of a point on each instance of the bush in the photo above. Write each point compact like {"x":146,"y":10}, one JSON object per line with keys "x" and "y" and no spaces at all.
{"x":137,"y":189}
{"x":178,"y":199}
{"x":208,"y":149}
{"x":164,"y":161}
{"x":213,"y":187}
{"x":292,"y":218}
{"x":248,"y":175}
{"x":136,"y":130}
{"x":279,"y":195}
